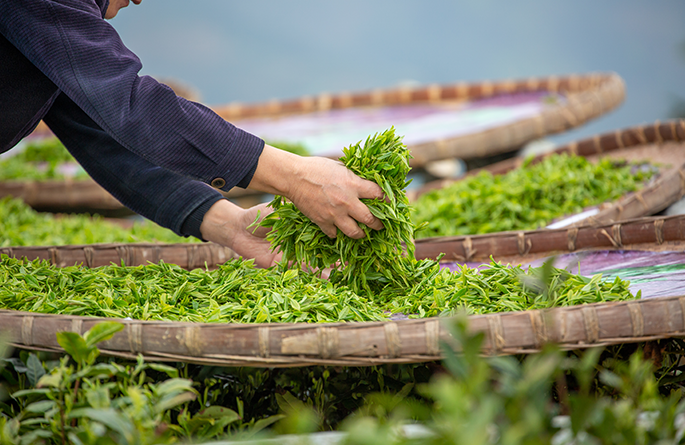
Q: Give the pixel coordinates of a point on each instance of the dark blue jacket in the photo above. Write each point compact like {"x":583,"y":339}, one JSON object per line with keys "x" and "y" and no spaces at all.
{"x":155,"y":152}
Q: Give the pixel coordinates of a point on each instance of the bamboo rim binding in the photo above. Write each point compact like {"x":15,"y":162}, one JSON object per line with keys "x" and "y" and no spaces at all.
{"x":185,"y":255}
{"x":648,"y":233}
{"x":587,"y":96}
{"x":362,"y":344}
{"x":660,"y":233}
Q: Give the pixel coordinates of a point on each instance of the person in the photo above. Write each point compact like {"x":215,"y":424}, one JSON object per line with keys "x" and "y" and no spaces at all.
{"x":162,"y":156}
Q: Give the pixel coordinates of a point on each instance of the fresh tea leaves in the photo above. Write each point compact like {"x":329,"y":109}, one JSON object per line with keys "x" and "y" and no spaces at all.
{"x":20,"y":225}
{"x":238,"y":292}
{"x":527,"y":198}
{"x":368,"y":263}
{"x":41,"y":160}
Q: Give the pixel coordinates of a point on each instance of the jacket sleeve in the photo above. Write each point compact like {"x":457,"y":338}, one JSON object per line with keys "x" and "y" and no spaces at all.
{"x":169,"y":199}
{"x":71,"y":43}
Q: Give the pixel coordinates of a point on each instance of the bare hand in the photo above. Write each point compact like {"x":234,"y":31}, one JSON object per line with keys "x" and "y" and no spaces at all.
{"x":324,"y":190}
{"x":329,"y":194}
{"x":227,"y":224}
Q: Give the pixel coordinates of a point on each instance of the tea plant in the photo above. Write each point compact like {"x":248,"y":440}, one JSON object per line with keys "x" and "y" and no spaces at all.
{"x":81,"y":401}
{"x":545,"y":398}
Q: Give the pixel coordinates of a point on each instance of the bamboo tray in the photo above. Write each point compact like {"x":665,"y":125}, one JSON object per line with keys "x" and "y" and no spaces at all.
{"x":658,"y":143}
{"x":581,"y":98}
{"x":404,"y":341}
{"x":584,"y":97}
{"x":658,"y":233}
{"x":71,"y":195}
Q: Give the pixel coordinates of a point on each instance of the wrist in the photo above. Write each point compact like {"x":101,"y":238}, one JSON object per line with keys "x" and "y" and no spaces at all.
{"x":276,"y":171}
{"x":222,"y":222}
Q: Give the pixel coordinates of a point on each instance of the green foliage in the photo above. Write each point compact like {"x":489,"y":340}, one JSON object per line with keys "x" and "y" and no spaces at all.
{"x":20,"y":225}
{"x":526,"y":198}
{"x":290,"y":147}
{"x":367,"y":263}
{"x":499,"y":288}
{"x":505,"y":401}
{"x":83,"y":349}
{"x":105,"y":403}
{"x":235,"y":292}
{"x":239,"y":292}
{"x":39,"y":160}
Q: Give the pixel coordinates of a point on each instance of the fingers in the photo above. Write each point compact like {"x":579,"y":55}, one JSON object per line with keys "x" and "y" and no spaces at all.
{"x":361,"y":213}
{"x":257,"y":213}
{"x":369,"y":190}
{"x":349,"y":227}
{"x":356,"y":211}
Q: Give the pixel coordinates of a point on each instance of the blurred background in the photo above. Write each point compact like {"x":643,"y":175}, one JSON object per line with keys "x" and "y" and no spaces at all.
{"x":266,"y":49}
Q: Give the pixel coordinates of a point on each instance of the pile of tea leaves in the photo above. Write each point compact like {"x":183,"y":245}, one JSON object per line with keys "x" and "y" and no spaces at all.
{"x":526,"y":198}
{"x":20,"y":225}
{"x":239,"y":292}
{"x":368,"y":264}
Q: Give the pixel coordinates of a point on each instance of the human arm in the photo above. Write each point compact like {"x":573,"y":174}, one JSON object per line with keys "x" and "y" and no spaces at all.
{"x":70,"y":42}
{"x":323,"y":189}
{"x":186,"y":206}
{"x":84,"y":57}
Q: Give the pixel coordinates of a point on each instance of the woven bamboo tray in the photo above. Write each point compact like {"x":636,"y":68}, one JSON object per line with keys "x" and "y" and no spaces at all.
{"x":657,"y":233}
{"x":185,"y":255}
{"x":71,"y":195}
{"x":372,"y":343}
{"x":658,"y":143}
{"x":586,"y":97}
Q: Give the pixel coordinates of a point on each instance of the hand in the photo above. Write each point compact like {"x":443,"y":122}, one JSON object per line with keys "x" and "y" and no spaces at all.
{"x":227,"y":224}
{"x":324,"y":190}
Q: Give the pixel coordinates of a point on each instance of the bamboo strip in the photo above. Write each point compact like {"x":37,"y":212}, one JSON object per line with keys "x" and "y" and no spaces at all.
{"x":362,"y":344}
{"x":649,"y":233}
{"x":187,"y":256}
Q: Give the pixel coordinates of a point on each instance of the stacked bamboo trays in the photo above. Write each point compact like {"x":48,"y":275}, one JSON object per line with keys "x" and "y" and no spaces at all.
{"x":585,"y":97}
{"x":373,"y":343}
{"x":660,"y":144}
